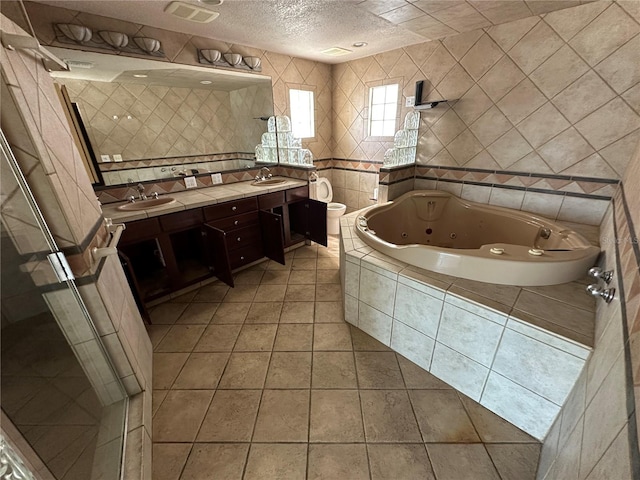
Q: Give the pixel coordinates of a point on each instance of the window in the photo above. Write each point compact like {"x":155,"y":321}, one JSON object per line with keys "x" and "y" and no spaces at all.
{"x":302,"y":113}
{"x":383,"y":105}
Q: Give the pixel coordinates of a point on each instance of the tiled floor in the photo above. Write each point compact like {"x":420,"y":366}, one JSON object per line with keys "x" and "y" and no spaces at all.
{"x":267,"y":381}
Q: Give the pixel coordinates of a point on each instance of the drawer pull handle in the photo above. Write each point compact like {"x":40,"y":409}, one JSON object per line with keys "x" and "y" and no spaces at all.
{"x":236,"y":222}
{"x":234,"y":208}
{"x":238,"y":238}
{"x":241,"y":258}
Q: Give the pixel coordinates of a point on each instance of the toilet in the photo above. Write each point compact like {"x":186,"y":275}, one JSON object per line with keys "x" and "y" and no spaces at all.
{"x":324,"y":193}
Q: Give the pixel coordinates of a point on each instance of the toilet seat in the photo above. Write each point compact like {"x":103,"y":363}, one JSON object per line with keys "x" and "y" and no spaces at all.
{"x":324,"y":191}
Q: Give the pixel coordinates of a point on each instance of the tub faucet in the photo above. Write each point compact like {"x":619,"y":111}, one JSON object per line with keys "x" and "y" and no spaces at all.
{"x":261,"y":175}
{"x":141,"y":194}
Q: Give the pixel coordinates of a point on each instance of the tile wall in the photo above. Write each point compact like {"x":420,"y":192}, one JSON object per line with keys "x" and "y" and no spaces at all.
{"x":554,"y":94}
{"x":596,"y":435}
{"x":40,"y":138}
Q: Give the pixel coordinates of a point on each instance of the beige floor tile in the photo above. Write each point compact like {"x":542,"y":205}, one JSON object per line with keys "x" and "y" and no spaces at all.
{"x":366,"y":343}
{"x":245,"y":370}
{"x":378,"y":370}
{"x":289,"y":370}
{"x":328,"y":263}
{"x":302,"y":277}
{"x":180,"y":415}
{"x":211,"y":461}
{"x":338,"y":461}
{"x":202,"y":371}
{"x":231,"y":416}
{"x":198,"y":313}
{"x":297,"y":312}
{"x":249,"y":277}
{"x":388,"y":417}
{"x":300,"y":293}
{"x":241,"y":293}
{"x":218,"y":338}
{"x":304,"y":264}
{"x":416,"y":377}
{"x":461,"y":462}
{"x":211,"y":293}
{"x":181,"y":338}
{"x":308,"y":251}
{"x":169,"y":459}
{"x":492,"y":428}
{"x":264,"y":312}
{"x":278,"y":267}
{"x":271,"y":461}
{"x":328,"y":276}
{"x":283,"y":416}
{"x":185,"y":297}
{"x":157,"y":333}
{"x":329,"y":312}
{"x":336,"y":416}
{"x":158,"y":397}
{"x":166,"y":367}
{"x":441,"y":417}
{"x":275,"y":277}
{"x":293,"y":337}
{"x":229,"y":313}
{"x":333,"y":370}
{"x":256,"y":338}
{"x":166,"y":313}
{"x":515,"y":460}
{"x":407,"y":462}
{"x":270,"y":293}
{"x":331,"y":336}
{"x":328,"y":292}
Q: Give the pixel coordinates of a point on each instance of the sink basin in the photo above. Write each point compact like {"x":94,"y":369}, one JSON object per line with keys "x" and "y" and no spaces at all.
{"x":271,"y":181}
{"x":146,"y":204}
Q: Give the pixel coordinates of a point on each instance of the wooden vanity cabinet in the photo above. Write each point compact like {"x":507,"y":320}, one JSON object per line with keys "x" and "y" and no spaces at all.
{"x":238,"y":233}
{"x":169,"y":252}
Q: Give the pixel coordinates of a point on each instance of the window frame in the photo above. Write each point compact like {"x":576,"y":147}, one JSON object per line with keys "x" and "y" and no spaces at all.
{"x":303,"y":88}
{"x":368,"y":114}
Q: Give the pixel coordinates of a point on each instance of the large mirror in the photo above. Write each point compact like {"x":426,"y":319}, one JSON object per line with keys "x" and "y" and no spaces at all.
{"x":146,"y":119}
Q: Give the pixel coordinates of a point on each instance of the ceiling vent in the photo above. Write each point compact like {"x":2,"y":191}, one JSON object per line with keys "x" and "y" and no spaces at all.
{"x":191,"y":13}
{"x":336,"y":51}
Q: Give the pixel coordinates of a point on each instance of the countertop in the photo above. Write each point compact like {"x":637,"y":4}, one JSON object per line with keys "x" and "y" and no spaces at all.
{"x":201,"y":197}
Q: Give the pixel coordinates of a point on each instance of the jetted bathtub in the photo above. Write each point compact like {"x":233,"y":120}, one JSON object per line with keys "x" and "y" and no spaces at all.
{"x":437,"y":231}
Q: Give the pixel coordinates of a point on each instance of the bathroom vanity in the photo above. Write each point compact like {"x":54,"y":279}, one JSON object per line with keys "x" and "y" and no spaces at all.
{"x":213,"y":232}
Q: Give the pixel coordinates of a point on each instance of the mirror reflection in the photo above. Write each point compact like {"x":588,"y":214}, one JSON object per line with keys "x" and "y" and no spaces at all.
{"x":146,"y":119}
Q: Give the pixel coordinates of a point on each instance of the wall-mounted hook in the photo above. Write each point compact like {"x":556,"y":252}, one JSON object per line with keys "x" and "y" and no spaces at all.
{"x":600,"y":274}
{"x":606,"y":294}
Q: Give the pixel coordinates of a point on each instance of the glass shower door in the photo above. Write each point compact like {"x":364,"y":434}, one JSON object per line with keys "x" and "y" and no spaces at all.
{"x":59,"y":390}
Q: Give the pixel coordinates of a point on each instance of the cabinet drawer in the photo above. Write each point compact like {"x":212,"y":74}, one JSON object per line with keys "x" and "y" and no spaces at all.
{"x":140,"y":230}
{"x":243,"y":237}
{"x":181,"y":220}
{"x":228,"y":209}
{"x":270,"y":200}
{"x":237,"y":221}
{"x":242,"y":256}
{"x":296,"y":194}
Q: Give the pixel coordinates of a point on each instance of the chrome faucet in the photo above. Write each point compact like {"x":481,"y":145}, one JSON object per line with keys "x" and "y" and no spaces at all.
{"x":141,"y":194}
{"x":261,"y":175}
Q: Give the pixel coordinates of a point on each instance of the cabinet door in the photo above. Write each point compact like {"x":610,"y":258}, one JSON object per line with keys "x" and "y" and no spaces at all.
{"x":317,"y":221}
{"x":135,"y":287}
{"x":218,"y":253}
{"x":309,"y":217}
{"x":272,"y":236}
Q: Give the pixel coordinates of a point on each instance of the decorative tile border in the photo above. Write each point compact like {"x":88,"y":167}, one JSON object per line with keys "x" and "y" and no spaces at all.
{"x":160,"y":162}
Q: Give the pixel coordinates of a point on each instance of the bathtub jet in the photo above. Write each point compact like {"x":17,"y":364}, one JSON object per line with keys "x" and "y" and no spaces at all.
{"x":437,"y":231}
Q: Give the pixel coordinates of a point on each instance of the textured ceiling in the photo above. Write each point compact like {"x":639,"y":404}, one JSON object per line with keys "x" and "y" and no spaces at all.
{"x":303,"y":28}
